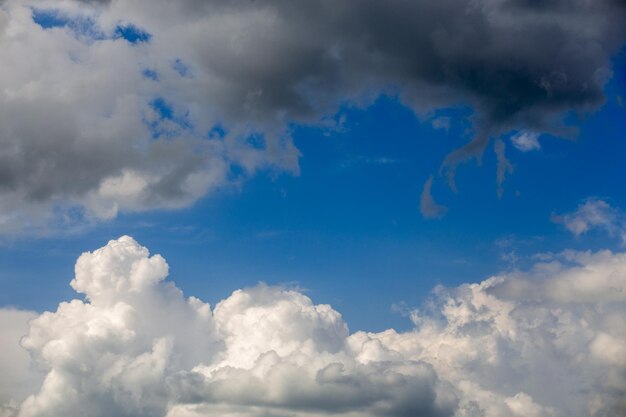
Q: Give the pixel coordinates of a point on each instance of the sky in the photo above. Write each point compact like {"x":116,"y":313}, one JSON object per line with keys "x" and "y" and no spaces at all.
{"x":312,"y":208}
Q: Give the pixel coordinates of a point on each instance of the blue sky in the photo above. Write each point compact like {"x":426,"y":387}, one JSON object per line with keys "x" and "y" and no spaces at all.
{"x":348,"y":229}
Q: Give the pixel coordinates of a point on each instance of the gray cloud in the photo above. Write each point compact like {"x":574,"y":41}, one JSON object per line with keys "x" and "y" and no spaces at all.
{"x":428,"y":207}
{"x":79,"y":115}
{"x":503,"y":165}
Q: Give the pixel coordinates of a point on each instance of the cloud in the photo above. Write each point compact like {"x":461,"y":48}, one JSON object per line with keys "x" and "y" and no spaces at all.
{"x":546,"y":342}
{"x":594,"y":214}
{"x":441,"y":123}
{"x":526,"y":141}
{"x":17,"y":378}
{"x":428,"y":207}
{"x":503,"y":165}
{"x":115,"y":107}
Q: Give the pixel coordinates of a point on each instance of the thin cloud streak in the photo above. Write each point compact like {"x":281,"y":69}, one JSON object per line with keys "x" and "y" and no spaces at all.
{"x":428,"y":207}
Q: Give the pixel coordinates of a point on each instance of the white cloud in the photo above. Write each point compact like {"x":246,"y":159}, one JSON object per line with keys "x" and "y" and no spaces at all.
{"x":546,"y":342}
{"x":17,"y":377}
{"x":592,"y":214}
{"x":526,"y":141}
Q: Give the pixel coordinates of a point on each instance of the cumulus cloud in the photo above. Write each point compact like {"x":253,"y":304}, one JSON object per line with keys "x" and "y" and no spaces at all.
{"x":546,"y":342}
{"x":592,"y":214}
{"x":17,"y":377}
{"x":112,"y":106}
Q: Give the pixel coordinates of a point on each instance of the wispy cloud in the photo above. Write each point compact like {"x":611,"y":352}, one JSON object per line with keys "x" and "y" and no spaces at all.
{"x":504,"y":166}
{"x":441,"y":123}
{"x":363,"y":160}
{"x":268,"y":234}
{"x":594,"y":214}
{"x":428,"y":207}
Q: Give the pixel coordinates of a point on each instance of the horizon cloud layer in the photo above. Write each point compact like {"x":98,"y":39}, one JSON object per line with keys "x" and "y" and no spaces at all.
{"x":546,"y":342}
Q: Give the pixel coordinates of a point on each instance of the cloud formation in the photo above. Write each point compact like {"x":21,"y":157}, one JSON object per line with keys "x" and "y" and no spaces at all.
{"x":504,"y":166}
{"x":17,"y":378}
{"x":428,"y":206}
{"x":526,"y":141}
{"x":546,"y":342}
{"x":596,"y":214}
{"x":112,"y":106}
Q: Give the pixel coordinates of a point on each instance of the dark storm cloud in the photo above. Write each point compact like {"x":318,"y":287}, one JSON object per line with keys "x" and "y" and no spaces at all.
{"x":79,"y":126}
{"x":517,"y":61}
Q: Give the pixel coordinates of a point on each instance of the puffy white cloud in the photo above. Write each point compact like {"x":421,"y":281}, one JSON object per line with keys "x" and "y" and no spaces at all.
{"x":110,"y":106}
{"x":546,"y":342}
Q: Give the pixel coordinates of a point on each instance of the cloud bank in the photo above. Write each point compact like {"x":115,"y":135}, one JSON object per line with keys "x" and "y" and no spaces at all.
{"x":546,"y":342}
{"x":109,"y":106}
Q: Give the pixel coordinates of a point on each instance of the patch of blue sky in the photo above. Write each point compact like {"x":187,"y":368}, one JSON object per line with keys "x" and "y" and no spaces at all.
{"x":236,"y":172}
{"x":86,"y":27}
{"x":49,"y":19}
{"x":167,"y":113}
{"x":617,"y":85}
{"x":163,"y":108}
{"x":150,"y":74}
{"x":217,"y":132}
{"x":132,"y":34}
{"x":81,"y":26}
